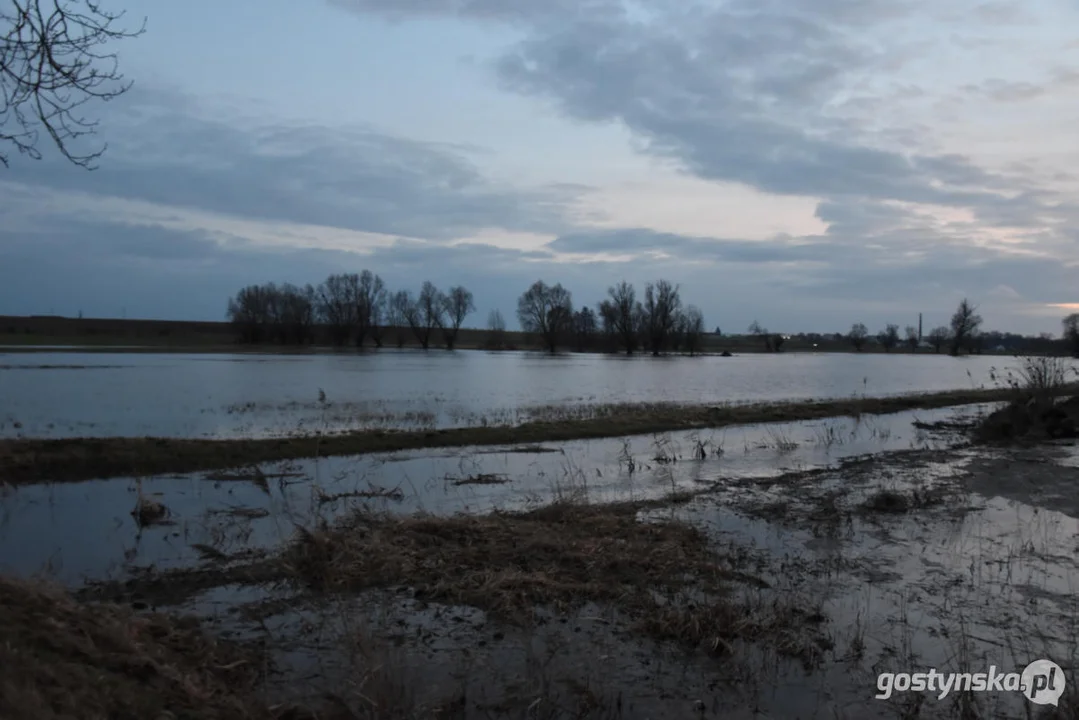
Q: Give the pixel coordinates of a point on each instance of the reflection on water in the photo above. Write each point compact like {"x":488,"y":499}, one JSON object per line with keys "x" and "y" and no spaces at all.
{"x":109,"y":394}
{"x":85,"y":530}
{"x":961,"y":575}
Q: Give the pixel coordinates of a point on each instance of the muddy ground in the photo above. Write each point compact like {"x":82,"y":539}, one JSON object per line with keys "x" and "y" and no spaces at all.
{"x":775,"y":578}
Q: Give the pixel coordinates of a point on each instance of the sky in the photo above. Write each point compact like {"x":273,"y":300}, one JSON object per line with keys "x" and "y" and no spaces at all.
{"x":807,"y":164}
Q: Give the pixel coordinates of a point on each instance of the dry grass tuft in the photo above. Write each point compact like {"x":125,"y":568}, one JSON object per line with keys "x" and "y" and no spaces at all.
{"x":1034,"y":410}
{"x":663,"y":575}
{"x":63,"y":659}
{"x":558,"y":555}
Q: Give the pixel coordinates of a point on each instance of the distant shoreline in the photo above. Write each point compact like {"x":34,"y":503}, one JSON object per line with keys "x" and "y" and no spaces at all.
{"x":115,"y":335}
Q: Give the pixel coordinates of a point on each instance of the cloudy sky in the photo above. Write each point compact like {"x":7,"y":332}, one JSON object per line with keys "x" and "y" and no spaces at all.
{"x":805,"y":163}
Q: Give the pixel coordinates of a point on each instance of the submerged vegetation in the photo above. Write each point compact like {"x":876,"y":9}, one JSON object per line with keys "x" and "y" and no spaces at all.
{"x":663,"y":575}
{"x":24,"y":460}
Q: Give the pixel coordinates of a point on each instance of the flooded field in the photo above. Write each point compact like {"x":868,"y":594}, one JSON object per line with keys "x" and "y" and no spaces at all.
{"x":85,"y":531}
{"x":721,"y":566}
{"x":841,"y":548}
{"x":68,"y":394}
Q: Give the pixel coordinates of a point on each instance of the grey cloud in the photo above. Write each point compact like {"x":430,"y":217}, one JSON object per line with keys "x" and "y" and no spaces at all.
{"x":1006,"y":91}
{"x":503,"y":11}
{"x":412,"y":254}
{"x":703,"y":101}
{"x":638,"y":240}
{"x":356,"y":179}
{"x":734,"y":92}
{"x":1011,"y":91}
{"x":1000,"y":12}
{"x":105,"y":268}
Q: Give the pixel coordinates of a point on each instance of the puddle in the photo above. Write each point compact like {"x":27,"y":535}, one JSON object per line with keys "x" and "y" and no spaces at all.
{"x":960,"y":583}
{"x":75,"y":532}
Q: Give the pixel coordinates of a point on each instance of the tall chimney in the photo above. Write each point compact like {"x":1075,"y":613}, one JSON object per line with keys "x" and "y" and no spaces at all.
{"x":919,"y":327}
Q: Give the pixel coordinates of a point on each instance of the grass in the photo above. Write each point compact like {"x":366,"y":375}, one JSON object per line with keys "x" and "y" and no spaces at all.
{"x":1035,"y":408}
{"x":663,"y":578}
{"x":64,"y":659}
{"x":663,"y":575}
{"x":24,"y":460}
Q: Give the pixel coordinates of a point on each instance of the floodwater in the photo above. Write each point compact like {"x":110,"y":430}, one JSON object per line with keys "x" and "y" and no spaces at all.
{"x":74,"y":532}
{"x":213,"y":395}
{"x":978,"y":569}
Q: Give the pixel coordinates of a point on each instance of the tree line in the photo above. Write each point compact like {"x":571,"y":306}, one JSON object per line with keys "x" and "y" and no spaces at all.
{"x":357,"y":308}
{"x":353,"y":307}
{"x":963,"y":335}
{"x":657,"y":323}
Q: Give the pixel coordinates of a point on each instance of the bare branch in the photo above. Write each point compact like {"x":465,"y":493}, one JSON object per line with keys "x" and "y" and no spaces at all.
{"x":52,"y":62}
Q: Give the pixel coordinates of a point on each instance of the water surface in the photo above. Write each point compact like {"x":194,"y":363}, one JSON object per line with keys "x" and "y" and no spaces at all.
{"x":213,"y":395}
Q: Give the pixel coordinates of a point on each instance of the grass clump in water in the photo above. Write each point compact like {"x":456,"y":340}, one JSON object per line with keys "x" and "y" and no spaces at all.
{"x":663,"y":575}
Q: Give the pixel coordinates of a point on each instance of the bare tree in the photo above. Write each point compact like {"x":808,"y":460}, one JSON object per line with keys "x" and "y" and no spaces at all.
{"x":249,"y":314}
{"x":272,"y":313}
{"x":622,"y":314}
{"x":336,"y":305}
{"x":584,"y":329}
{"x":693,"y":329}
{"x":889,"y":337}
{"x":410,"y":311}
{"x":772,"y":341}
{"x":678,"y":333}
{"x":757,"y":330}
{"x":1071,"y":332}
{"x":426,"y":313}
{"x":938,"y":336}
{"x":54,"y":60}
{"x":547,"y":310}
{"x":401,"y":313}
{"x":296,"y":314}
{"x":457,"y":304}
{"x":370,"y":297}
{"x":965,"y":324}
{"x":496,"y":330}
{"x":275,"y":313}
{"x":858,"y":335}
{"x":608,"y":320}
{"x":912,"y":338}
{"x":423,"y":314}
{"x":662,"y":305}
